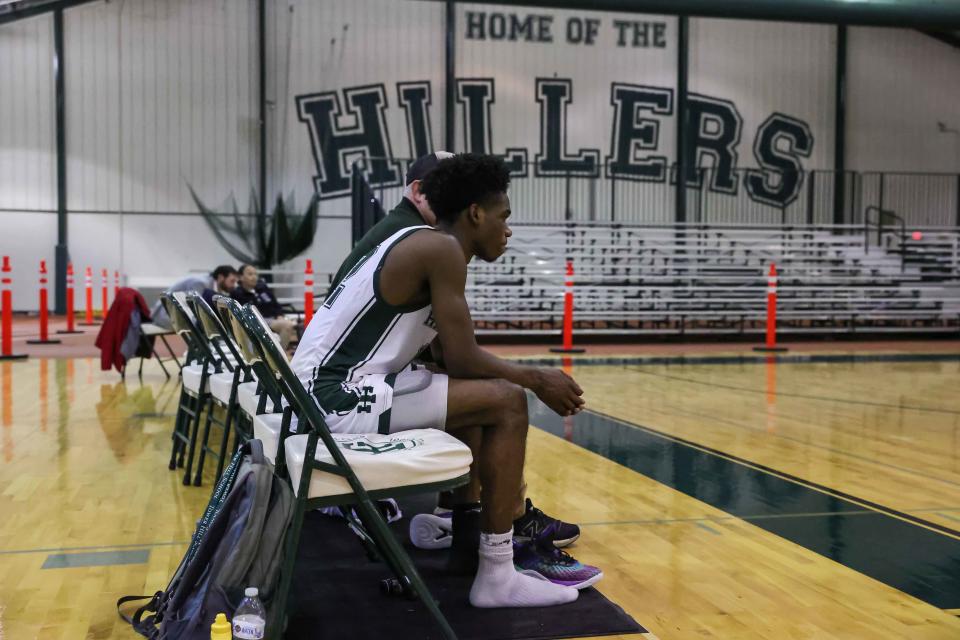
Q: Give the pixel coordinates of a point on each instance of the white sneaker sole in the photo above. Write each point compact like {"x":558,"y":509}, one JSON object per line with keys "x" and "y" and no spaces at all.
{"x":430,"y":532}
{"x":580,"y":585}
{"x":559,"y":544}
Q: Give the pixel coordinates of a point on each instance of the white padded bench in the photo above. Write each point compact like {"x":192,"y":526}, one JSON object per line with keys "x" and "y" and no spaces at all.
{"x":417,"y":456}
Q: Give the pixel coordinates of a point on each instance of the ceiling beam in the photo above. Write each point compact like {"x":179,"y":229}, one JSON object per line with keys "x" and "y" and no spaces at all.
{"x":931,"y":14}
{"x":19,"y":10}
{"x":947,"y":37}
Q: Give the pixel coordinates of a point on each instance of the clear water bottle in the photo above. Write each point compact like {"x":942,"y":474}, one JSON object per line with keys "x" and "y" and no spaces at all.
{"x":250,"y":619}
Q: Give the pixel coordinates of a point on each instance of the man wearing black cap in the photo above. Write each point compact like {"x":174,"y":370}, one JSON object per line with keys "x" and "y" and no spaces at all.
{"x":413,"y":210}
{"x":433,"y":531}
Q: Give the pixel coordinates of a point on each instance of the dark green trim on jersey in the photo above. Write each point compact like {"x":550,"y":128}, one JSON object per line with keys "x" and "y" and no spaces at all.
{"x":362,"y":341}
{"x":383,"y":424}
{"x":360,"y":262}
{"x":404,"y":215}
{"x":402,"y":308}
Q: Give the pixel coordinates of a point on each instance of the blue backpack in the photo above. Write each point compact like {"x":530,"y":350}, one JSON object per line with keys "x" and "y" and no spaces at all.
{"x":239,"y":542}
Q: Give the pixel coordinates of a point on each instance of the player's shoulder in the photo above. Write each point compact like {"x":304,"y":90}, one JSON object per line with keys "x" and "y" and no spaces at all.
{"x":433,"y":239}
{"x":436,"y":248}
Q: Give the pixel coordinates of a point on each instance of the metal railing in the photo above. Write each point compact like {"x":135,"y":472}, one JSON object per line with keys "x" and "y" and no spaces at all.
{"x":647,"y":274}
{"x":704,"y":279}
{"x":743,"y":196}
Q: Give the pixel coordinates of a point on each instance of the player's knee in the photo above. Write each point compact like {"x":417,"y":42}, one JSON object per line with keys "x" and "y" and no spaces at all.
{"x":512,"y":399}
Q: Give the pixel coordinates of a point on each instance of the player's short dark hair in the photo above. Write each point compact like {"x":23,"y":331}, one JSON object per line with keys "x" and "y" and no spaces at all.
{"x":462,"y":180}
{"x":223,"y":271}
{"x":241,"y":268}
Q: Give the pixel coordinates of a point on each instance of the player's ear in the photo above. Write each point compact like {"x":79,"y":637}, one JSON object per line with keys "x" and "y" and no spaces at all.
{"x":474,"y":213}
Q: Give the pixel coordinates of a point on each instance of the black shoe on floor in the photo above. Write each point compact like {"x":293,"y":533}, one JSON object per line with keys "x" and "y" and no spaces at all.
{"x":535,"y":524}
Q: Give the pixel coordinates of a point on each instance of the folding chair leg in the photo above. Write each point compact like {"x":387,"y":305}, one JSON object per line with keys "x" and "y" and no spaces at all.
{"x":172,"y":354}
{"x":174,"y":449}
{"x":198,"y":478}
{"x":194,"y":430}
{"x":227,"y":423}
{"x":279,"y":607}
{"x":395,"y":556}
{"x":362,"y":531}
{"x":177,"y":428}
{"x":159,"y":360}
{"x":183,"y":445}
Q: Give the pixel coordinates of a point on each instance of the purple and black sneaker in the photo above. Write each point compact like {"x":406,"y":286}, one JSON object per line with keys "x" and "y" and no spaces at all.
{"x":535,"y":524}
{"x":540,"y":559}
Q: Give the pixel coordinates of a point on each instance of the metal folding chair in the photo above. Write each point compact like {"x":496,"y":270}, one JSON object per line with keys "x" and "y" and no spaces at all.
{"x":223,"y":386}
{"x":255,"y":399}
{"x":200,"y":364}
{"x":321,"y":476}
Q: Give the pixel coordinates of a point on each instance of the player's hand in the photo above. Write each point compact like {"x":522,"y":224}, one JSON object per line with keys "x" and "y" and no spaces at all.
{"x":559,"y":391}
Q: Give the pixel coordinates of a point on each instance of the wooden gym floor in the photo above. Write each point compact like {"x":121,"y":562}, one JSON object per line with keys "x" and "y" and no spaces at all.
{"x":728,"y":499}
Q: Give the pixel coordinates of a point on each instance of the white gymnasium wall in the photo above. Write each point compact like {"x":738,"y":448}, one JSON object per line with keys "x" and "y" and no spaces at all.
{"x":766,"y":67}
{"x":762,"y":69}
{"x":901,"y":84}
{"x":586,"y":49}
{"x":162,"y":94}
{"x":28,"y":182}
{"x":338,"y":45}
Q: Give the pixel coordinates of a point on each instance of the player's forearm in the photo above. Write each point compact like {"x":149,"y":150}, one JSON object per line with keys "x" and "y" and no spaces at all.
{"x":478,"y":363}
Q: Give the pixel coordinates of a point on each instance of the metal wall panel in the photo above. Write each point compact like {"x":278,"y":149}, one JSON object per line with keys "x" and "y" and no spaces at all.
{"x":902,"y":83}
{"x":337,"y":45}
{"x":316,"y":49}
{"x":593,"y":52}
{"x":27,"y":237}
{"x":765,"y":70}
{"x":27,"y":132}
{"x":164,"y":94}
{"x":91,"y":43}
{"x":160,"y":95}
{"x":28,"y":169}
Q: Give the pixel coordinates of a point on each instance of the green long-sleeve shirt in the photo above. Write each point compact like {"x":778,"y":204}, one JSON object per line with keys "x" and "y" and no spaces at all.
{"x":402,"y":216}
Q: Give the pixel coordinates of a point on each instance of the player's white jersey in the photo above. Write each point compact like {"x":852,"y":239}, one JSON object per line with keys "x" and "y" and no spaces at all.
{"x":357,"y":334}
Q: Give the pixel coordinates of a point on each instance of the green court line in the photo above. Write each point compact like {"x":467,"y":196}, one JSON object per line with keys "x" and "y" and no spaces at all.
{"x":706,"y":528}
{"x":780,"y":416}
{"x":774,"y":516}
{"x":96,"y":559}
{"x":802,"y":358}
{"x":778,"y":516}
{"x":96,"y":548}
{"x":802,"y":396}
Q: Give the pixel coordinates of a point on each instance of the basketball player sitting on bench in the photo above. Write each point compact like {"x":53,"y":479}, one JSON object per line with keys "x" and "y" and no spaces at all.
{"x":433,"y":530}
{"x":407,"y":291}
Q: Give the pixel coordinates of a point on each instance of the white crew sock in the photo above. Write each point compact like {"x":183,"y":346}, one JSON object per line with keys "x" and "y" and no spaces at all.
{"x":498,"y":584}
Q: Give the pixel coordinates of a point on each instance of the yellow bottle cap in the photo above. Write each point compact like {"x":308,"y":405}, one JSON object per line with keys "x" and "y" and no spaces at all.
{"x":220,"y":629}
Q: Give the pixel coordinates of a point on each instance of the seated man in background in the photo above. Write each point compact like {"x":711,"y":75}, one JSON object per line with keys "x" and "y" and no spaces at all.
{"x":222,"y":280}
{"x":355,"y":355}
{"x":434,"y":531}
{"x":253,"y":290}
